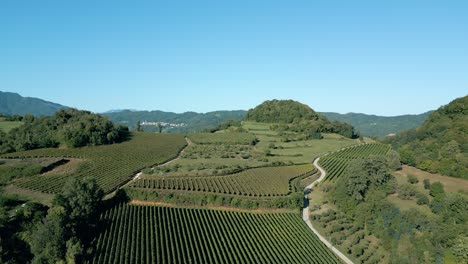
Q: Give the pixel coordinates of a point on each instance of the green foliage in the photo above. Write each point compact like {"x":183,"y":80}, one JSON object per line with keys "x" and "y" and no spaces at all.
{"x":406,"y":191}
{"x":69,"y":127}
{"x":111,"y":165}
{"x":281,"y":111}
{"x":223,"y":138}
{"x":393,"y":160}
{"x":421,"y":199}
{"x":427,"y":184}
{"x":460,"y":248}
{"x":437,"y":190}
{"x":336,"y":163}
{"x":440,"y":144}
{"x":412,"y":179}
{"x":69,"y":225}
{"x":80,"y":200}
{"x":230,"y":237}
{"x":265,"y":181}
{"x":379,"y":126}
{"x":289,"y":115}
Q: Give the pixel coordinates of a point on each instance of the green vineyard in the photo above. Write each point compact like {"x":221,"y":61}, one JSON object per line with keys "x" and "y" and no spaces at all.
{"x":150,"y":234}
{"x":231,"y":138}
{"x":267,"y":181}
{"x":335,"y":164}
{"x":111,"y":165}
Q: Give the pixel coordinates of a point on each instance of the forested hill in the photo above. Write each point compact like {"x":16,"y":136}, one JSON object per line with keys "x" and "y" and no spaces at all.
{"x":66,"y":128}
{"x":441,"y":143}
{"x":174,"y":123}
{"x":15,"y":104}
{"x":295,"y":116}
{"x":379,"y":126}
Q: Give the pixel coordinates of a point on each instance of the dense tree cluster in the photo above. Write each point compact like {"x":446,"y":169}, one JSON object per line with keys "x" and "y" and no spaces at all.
{"x":68,"y":227}
{"x":289,"y":115}
{"x":440,"y":145}
{"x":409,"y":236}
{"x":70,"y":127}
{"x":282,"y":111}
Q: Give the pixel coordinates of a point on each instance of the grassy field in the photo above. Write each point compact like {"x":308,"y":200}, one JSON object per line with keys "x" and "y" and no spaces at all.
{"x":451,"y":184}
{"x":222,"y":153}
{"x":111,"y":165}
{"x":6,"y":126}
{"x":151,"y":234}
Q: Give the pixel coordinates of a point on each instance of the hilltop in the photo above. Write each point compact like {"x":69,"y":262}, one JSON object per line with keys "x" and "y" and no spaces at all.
{"x":440,"y":144}
{"x":289,"y":115}
{"x":15,"y":104}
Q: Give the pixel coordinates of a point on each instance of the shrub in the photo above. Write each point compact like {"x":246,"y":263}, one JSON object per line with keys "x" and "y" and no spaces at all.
{"x":427,"y":184}
{"x":421,"y":199}
{"x":412,"y":179}
{"x":437,"y":190}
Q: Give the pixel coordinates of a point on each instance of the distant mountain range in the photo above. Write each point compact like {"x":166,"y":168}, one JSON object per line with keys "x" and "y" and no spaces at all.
{"x":15,"y":104}
{"x":379,"y":126}
{"x":173,"y":122}
{"x":368,"y":125}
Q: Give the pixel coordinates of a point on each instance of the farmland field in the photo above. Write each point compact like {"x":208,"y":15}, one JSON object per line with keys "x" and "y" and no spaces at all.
{"x":268,"y":181}
{"x":335,"y":164}
{"x":6,"y":126}
{"x":111,"y":165}
{"x":150,"y":234}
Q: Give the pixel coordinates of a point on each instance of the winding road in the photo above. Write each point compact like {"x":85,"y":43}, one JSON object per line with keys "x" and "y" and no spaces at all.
{"x":305,"y":214}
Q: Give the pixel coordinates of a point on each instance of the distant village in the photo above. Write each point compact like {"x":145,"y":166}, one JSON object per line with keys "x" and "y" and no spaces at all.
{"x":163,"y":124}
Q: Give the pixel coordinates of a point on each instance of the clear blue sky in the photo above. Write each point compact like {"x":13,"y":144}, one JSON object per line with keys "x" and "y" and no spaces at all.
{"x":376,"y":57}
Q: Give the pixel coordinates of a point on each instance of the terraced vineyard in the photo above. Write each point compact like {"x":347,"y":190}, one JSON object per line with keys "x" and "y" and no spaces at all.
{"x":335,"y":164}
{"x":222,"y":138}
{"x":267,"y":181}
{"x":149,"y":234}
{"x":111,"y":165}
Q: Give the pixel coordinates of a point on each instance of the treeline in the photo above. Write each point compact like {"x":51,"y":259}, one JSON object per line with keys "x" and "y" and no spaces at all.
{"x":409,"y":236}
{"x":32,"y":234}
{"x":440,"y":145}
{"x":70,"y":127}
{"x":313,"y":129}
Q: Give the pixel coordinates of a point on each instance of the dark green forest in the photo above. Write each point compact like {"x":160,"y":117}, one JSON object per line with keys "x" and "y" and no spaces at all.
{"x":297,"y":117}
{"x":440,"y":145}
{"x":71,"y":128}
{"x":409,"y":236}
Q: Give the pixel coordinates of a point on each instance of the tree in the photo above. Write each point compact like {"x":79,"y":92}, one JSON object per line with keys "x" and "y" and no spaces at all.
{"x":427,"y":184}
{"x":48,"y":240}
{"x":138,"y":126}
{"x":393,"y":160}
{"x":80,"y":200}
{"x":460,"y":249}
{"x":437,"y":190}
{"x":412,"y":179}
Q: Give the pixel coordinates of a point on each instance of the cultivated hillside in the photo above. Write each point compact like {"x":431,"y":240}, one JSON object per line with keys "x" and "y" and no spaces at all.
{"x":379,"y":126}
{"x":15,"y":104}
{"x":441,"y":143}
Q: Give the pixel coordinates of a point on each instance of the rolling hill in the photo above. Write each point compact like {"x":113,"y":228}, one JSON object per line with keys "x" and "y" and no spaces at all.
{"x":379,"y":126}
{"x":15,"y":104}
{"x":174,"y":122}
{"x":440,"y":144}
